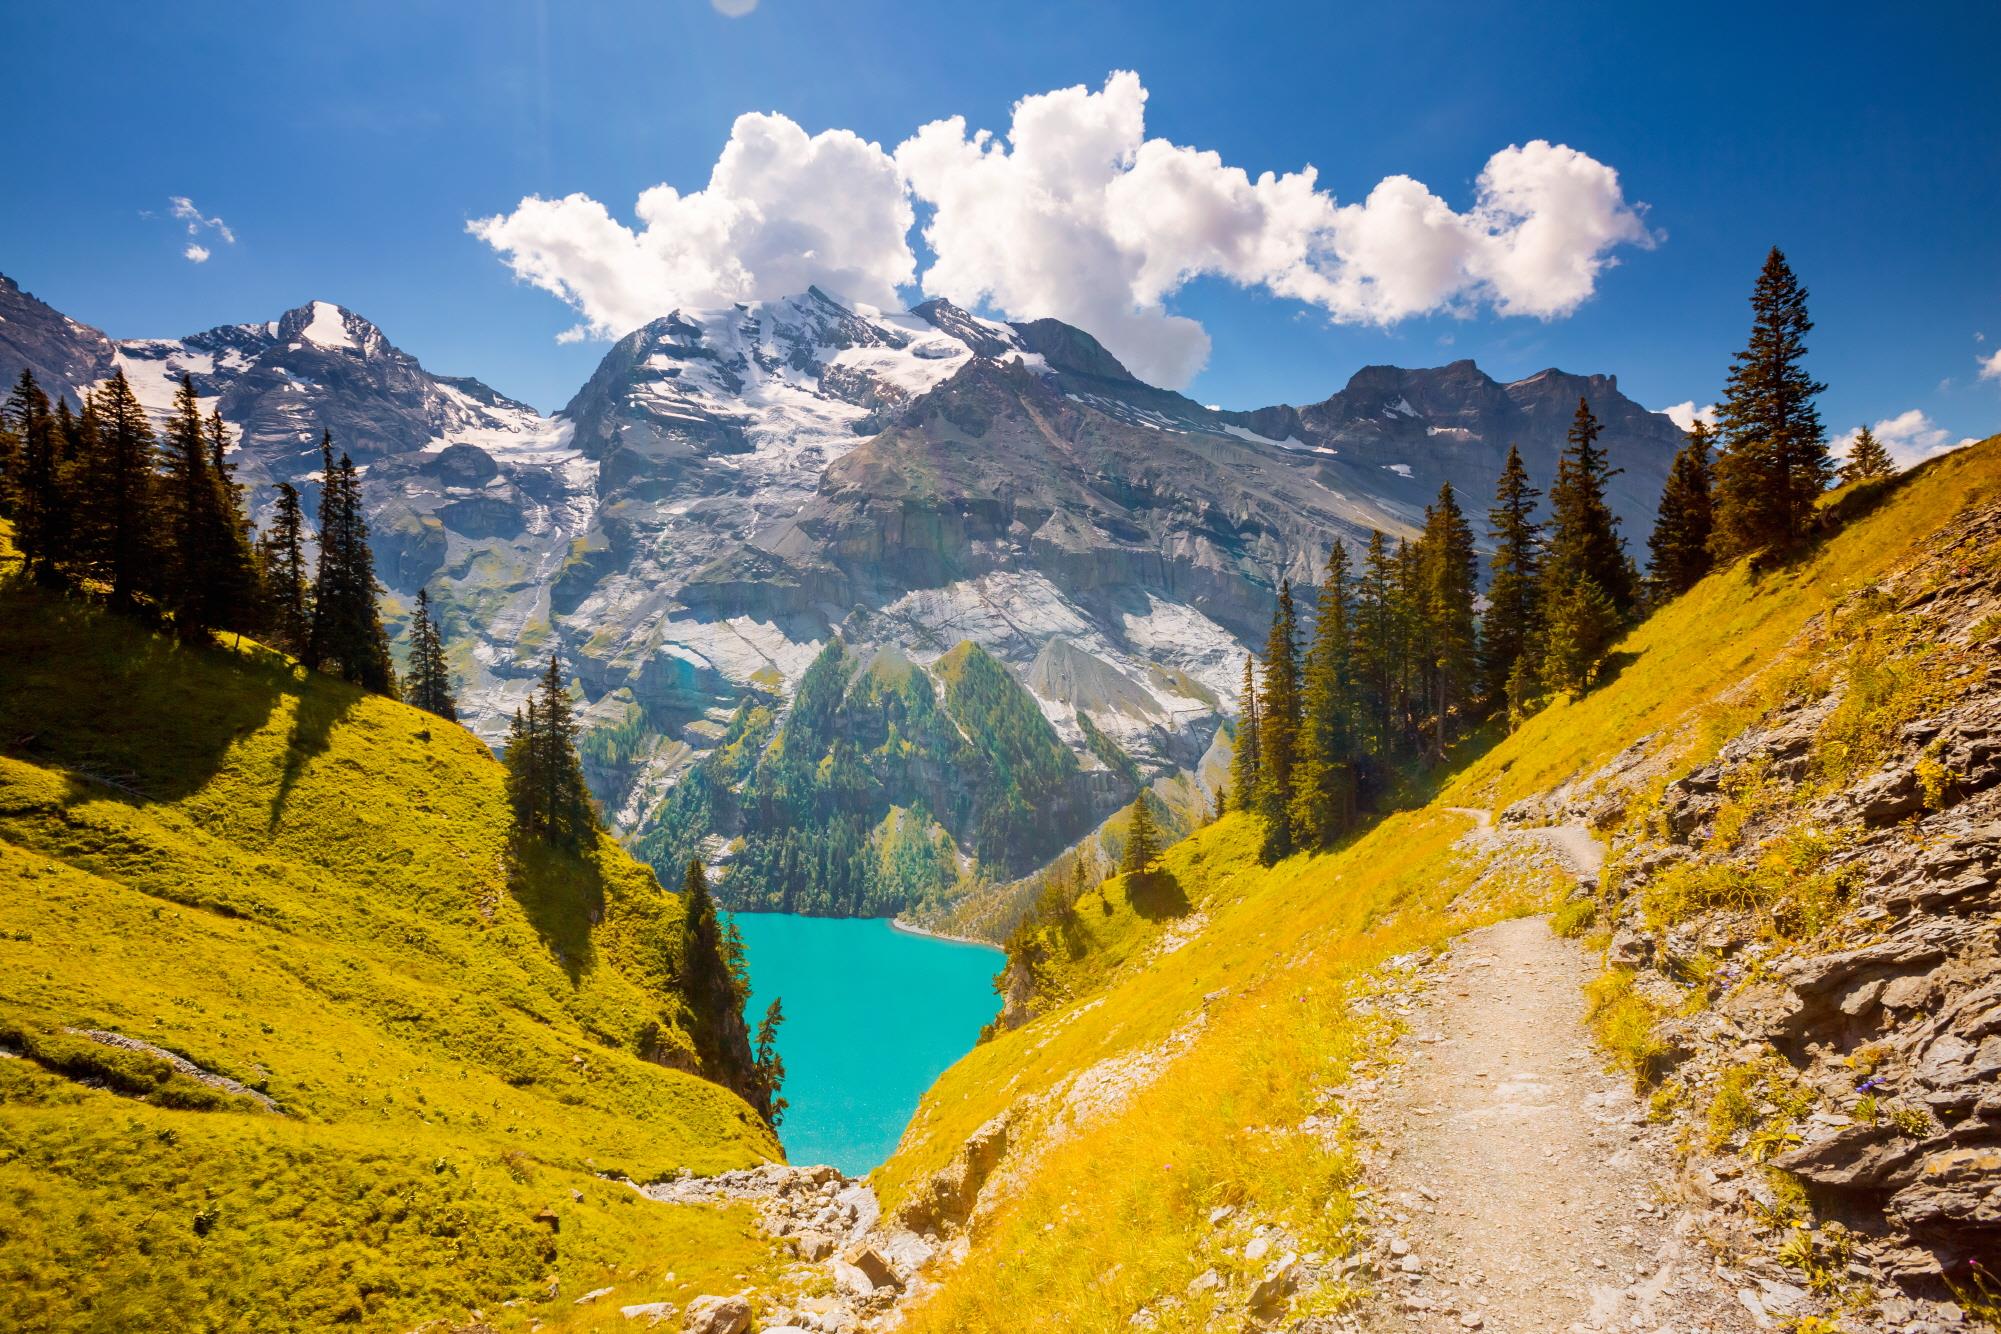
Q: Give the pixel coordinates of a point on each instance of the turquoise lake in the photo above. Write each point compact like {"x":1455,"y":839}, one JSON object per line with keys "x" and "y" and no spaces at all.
{"x":873,"y":1016}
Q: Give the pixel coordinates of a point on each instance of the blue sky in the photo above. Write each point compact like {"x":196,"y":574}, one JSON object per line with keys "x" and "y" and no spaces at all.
{"x":347,"y":146}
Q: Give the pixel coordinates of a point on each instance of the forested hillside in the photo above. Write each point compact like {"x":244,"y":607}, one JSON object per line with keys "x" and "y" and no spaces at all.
{"x":305,"y":1030}
{"x":880,"y":787}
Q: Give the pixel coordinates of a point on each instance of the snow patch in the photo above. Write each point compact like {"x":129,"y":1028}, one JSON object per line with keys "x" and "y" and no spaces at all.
{"x":327,"y":328}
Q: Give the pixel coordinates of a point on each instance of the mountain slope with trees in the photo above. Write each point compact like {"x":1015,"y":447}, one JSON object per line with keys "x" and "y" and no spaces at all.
{"x":310,"y":1032}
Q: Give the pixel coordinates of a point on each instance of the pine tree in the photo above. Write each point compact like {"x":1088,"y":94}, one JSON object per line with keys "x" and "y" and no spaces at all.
{"x":1323,"y":779}
{"x":769,"y":1067}
{"x":545,"y":779}
{"x":1245,"y":758}
{"x":1278,"y":725}
{"x":1376,"y":659}
{"x":1582,"y":622}
{"x":346,"y":633}
{"x":1513,"y":623}
{"x":1450,"y":573}
{"x":1142,"y":848}
{"x":521,"y":757}
{"x":1678,"y":548}
{"x":203,"y":531}
{"x":1867,"y":461}
{"x":282,"y":558}
{"x":240,"y":596}
{"x":1774,"y":464}
{"x":120,"y":494}
{"x":1524,"y":690}
{"x":428,"y":683}
{"x":1584,"y":541}
{"x":37,"y":497}
{"x":712,"y":976}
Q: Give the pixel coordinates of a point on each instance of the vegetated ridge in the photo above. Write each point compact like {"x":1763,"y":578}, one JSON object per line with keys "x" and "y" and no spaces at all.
{"x":301,"y":1033}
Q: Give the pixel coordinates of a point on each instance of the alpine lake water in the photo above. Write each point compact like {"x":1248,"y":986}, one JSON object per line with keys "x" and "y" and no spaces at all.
{"x":873,"y":1016}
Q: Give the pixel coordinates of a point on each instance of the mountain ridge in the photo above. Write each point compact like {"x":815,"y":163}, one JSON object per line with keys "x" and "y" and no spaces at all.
{"x":730,"y":488}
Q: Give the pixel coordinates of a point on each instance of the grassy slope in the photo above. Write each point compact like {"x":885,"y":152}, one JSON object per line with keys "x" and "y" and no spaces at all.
{"x":1116,"y":1213}
{"x":1681,"y":663}
{"x":308,"y":889}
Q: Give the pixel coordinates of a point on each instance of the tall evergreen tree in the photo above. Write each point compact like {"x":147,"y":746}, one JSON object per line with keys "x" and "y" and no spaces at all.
{"x":1415,"y":661}
{"x":208,"y":581}
{"x":282,"y":557}
{"x":768,"y":1066}
{"x":1867,"y":461}
{"x":120,"y":494}
{"x":346,"y":634}
{"x":38,"y":500}
{"x":559,"y":807}
{"x":1774,"y":463}
{"x":1513,"y":623}
{"x":1142,"y":848}
{"x":1678,"y":548}
{"x":1278,"y":725}
{"x":712,"y":976}
{"x":240,"y":592}
{"x":1323,"y":780}
{"x":1246,"y":758}
{"x":1581,"y":624}
{"x":1376,"y":658}
{"x":428,"y":684}
{"x":1450,"y":580}
{"x":1584,"y":541}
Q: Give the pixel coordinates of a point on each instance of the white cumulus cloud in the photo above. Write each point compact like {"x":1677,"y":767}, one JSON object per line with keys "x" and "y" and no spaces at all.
{"x":735,"y":9}
{"x":1990,"y":365}
{"x":782,"y":211}
{"x":1686,"y":414}
{"x":1075,"y":213}
{"x":197,"y":254}
{"x":1911,"y":437}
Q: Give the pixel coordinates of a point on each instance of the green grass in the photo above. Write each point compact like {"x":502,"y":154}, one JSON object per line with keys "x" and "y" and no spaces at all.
{"x":1261,"y":1006}
{"x":1262,"y":1003}
{"x":312,"y":891}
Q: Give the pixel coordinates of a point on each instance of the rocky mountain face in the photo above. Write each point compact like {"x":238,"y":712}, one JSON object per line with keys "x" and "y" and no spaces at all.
{"x":734,"y":489}
{"x":1812,"y":915}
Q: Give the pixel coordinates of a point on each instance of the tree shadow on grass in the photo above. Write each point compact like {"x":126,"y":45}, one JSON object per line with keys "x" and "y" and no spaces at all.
{"x":1156,"y":894}
{"x":1609,"y":669}
{"x":313,"y":721}
{"x":117,"y":705}
{"x":562,"y":892}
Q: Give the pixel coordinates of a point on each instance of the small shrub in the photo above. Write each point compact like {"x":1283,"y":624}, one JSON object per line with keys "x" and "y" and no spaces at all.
{"x":1624,"y":1021}
{"x":1733,"y":1108}
{"x":1574,"y":918}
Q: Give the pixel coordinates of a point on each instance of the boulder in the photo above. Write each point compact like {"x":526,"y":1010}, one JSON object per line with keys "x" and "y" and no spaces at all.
{"x":876,"y":1266}
{"x":717,"y":1315}
{"x":1269,"y":1293}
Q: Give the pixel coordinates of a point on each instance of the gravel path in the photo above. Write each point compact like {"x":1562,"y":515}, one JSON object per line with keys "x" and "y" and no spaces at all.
{"x":1519,"y":1187}
{"x":1579,"y":849}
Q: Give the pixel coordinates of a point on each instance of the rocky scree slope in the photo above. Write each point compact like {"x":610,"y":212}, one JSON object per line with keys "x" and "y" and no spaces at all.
{"x":733,"y":487}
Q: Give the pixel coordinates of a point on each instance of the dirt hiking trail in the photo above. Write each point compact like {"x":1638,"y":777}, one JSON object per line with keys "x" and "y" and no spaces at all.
{"x":1519,"y":1186}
